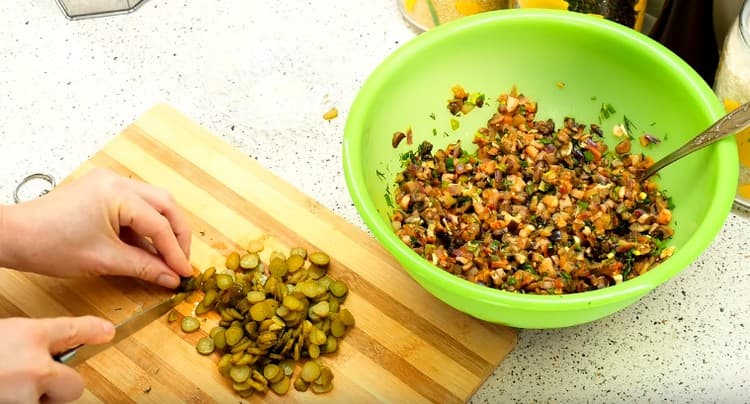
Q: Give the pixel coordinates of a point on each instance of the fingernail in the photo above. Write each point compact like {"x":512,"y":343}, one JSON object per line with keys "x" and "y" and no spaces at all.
{"x":168,"y":281}
{"x":108,"y":329}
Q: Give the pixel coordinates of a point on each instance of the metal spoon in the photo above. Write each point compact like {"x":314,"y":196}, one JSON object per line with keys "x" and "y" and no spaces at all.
{"x":731,"y":123}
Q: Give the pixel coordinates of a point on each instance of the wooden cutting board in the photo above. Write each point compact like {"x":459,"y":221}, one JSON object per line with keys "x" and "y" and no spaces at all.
{"x":407,"y":346}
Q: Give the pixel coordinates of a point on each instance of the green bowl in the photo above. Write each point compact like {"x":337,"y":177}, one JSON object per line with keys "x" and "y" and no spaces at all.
{"x":571,"y":64}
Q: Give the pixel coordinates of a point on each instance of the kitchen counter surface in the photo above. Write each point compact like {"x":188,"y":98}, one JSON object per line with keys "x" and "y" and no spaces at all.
{"x":260,"y":75}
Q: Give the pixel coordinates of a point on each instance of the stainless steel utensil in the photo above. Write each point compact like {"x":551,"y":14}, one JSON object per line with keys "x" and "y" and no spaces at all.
{"x":731,"y":123}
{"x":79,"y":354}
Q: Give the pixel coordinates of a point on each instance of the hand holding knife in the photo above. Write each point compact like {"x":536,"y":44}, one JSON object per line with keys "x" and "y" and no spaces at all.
{"x":81,"y":353}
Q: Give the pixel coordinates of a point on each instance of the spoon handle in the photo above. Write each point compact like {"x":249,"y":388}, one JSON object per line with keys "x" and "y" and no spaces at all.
{"x":731,"y":123}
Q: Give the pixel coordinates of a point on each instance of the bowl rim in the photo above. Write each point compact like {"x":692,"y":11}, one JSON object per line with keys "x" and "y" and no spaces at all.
{"x":724,"y":152}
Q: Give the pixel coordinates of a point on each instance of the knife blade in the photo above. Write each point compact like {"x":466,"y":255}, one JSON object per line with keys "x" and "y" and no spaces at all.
{"x":80,"y":353}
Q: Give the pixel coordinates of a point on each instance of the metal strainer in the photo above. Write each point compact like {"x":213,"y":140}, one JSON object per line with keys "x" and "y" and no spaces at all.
{"x":79,"y":9}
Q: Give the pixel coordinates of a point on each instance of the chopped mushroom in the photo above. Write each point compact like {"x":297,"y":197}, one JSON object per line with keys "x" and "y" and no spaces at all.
{"x":534,"y":209}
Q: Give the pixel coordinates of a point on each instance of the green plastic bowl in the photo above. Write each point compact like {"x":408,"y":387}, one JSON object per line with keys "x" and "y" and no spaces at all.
{"x":571,"y":64}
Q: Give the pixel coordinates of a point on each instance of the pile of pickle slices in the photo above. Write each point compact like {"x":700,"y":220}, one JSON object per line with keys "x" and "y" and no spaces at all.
{"x":273,"y":316}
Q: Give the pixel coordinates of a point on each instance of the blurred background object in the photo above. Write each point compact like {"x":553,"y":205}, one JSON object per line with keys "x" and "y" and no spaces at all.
{"x":426,"y":14}
{"x":693,"y":29}
{"x":630,"y":13}
{"x":725,"y":12}
{"x":732,"y":86}
{"x":78,"y":9}
{"x":687,"y":28}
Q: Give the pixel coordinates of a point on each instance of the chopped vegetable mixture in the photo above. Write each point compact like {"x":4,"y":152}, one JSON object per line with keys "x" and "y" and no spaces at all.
{"x":535,"y":209}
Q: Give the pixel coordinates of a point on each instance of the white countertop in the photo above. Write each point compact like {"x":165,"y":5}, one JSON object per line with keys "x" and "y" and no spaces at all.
{"x":260,"y":74}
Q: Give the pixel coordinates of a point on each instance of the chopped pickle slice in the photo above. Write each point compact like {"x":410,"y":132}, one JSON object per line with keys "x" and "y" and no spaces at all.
{"x":205,"y":346}
{"x":320,"y":258}
{"x":321,"y":388}
{"x":287,"y":365}
{"x":240,"y":374}
{"x":281,"y":387}
{"x":233,"y":335}
{"x":220,"y":340}
{"x":249,"y":261}
{"x":295,"y":262}
{"x":272,"y":315}
{"x":224,"y":281}
{"x":256,"y":296}
{"x":278,"y":267}
{"x":172,"y":316}
{"x":233,"y":261}
{"x":190,"y":324}
{"x":255,"y":246}
{"x":338,"y":288}
{"x":301,"y":385}
{"x":346,"y":317}
{"x":301,"y":251}
{"x":272,"y":371}
{"x":310,"y":371}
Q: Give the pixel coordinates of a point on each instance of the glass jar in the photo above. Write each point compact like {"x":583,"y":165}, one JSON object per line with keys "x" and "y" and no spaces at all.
{"x":426,"y":14}
{"x":79,"y":9}
{"x":732,"y":86}
{"x":625,"y":12}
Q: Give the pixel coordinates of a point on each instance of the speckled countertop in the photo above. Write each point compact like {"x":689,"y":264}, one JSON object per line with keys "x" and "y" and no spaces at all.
{"x":260,"y":74}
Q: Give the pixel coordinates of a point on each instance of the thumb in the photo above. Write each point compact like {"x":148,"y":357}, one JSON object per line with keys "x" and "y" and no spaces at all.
{"x":67,"y":332}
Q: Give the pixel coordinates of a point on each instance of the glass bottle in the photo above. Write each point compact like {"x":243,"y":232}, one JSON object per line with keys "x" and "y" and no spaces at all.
{"x":686,"y":27}
{"x":732,"y":86}
{"x":426,"y":14}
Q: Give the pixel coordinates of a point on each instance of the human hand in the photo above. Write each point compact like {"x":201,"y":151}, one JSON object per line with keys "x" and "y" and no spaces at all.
{"x":28,"y":373}
{"x":99,"y":224}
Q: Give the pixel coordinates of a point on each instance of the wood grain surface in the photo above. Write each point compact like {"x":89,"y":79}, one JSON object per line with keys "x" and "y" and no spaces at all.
{"x":407,"y":346}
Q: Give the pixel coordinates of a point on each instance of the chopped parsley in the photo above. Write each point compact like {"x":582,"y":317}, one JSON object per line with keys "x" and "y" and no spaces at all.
{"x":449,"y":164}
{"x":668,"y":199}
{"x":380,"y":174}
{"x":506,"y":183}
{"x":479,"y":101}
{"x":660,"y":245}
{"x":628,"y":264}
{"x":388,"y":199}
{"x":432,"y":115}
{"x":529,"y":187}
{"x":407,"y":156}
{"x":494,"y":245}
{"x":606,"y":111}
{"x":588,"y":156}
{"x":630,"y":127}
{"x":528,"y":268}
{"x":473,"y":247}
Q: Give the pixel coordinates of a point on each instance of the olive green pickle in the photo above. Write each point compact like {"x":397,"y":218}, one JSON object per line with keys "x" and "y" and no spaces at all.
{"x":273,"y":315}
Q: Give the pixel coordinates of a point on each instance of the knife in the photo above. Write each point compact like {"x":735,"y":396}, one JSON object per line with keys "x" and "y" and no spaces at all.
{"x":81,"y":353}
